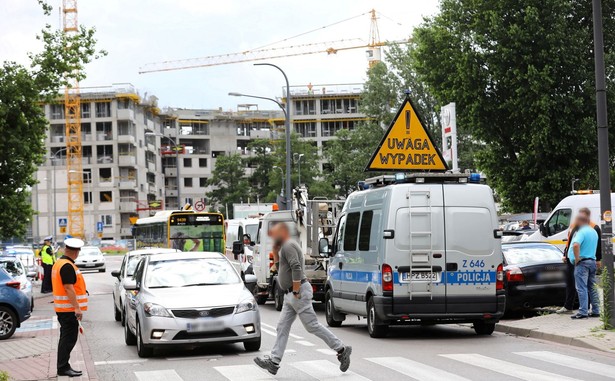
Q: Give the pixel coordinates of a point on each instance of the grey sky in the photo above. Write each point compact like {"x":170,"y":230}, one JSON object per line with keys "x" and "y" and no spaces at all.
{"x":138,"y":32}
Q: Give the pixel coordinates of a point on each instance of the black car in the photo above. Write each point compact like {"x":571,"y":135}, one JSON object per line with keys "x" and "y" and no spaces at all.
{"x":535,"y":275}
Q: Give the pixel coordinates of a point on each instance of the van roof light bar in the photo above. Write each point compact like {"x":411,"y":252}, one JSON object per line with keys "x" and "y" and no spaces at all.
{"x":417,"y":178}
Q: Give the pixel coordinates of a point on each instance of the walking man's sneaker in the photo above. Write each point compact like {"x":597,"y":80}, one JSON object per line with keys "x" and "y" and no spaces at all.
{"x":578,"y":316}
{"x":563,"y":310}
{"x":344,"y":358}
{"x":594,"y":315}
{"x":267,"y":363}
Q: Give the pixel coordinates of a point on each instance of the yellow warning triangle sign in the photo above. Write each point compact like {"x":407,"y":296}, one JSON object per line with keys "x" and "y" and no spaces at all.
{"x":407,"y":145}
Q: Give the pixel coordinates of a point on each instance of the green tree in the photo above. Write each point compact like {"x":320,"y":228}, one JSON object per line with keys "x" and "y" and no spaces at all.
{"x":22,"y":120}
{"x":229,"y":183}
{"x":262,"y":161}
{"x":522,"y":76}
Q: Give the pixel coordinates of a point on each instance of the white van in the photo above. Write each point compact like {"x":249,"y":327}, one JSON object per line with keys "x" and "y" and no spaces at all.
{"x":419,"y":250}
{"x":235,"y":229}
{"x":555,"y":228}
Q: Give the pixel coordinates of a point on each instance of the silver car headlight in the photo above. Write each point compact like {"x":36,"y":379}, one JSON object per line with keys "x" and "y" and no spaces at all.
{"x":246,"y":305}
{"x":152,"y":309}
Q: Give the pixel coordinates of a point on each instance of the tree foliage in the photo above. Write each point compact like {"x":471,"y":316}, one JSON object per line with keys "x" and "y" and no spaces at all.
{"x":522,"y":75}
{"x":22,"y":120}
{"x":228,"y":182}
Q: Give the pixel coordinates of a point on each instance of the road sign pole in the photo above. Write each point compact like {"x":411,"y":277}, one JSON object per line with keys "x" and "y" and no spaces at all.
{"x":603,"y":162}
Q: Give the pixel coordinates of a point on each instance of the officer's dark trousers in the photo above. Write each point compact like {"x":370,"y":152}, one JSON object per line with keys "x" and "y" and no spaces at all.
{"x":69,"y":332}
{"x":46,"y":285}
{"x":571,"y":290}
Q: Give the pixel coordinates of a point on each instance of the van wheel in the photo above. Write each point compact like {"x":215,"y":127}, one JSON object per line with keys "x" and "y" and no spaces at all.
{"x":330,"y":311}
{"x":483,"y":328}
{"x":375,"y":327}
{"x":260,"y":299}
{"x":278,"y":298}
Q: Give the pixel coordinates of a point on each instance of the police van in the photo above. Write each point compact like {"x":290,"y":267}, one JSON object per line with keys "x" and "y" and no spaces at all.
{"x":417,"y":248}
{"x":555,"y":228}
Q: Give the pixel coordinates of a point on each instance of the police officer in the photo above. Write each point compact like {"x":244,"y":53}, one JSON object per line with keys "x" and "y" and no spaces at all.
{"x":47,"y":260}
{"x":70,"y":300}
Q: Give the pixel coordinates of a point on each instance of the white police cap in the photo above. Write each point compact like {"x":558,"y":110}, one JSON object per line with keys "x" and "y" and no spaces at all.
{"x":48,"y":238}
{"x":73,"y":243}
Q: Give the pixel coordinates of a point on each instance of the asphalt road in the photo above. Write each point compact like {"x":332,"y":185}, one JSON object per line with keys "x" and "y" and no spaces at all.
{"x":452,"y":353}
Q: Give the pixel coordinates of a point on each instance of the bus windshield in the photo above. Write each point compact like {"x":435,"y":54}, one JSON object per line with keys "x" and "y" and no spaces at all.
{"x":197,"y":232}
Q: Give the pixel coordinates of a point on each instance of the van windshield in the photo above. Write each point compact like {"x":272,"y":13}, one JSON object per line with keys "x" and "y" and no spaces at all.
{"x":252,"y":230}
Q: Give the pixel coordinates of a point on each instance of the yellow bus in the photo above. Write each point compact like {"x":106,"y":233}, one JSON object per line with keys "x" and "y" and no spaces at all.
{"x":184,"y":230}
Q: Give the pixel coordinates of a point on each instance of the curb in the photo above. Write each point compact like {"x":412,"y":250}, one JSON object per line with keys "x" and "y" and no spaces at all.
{"x":537,"y":334}
{"x":87,"y":358}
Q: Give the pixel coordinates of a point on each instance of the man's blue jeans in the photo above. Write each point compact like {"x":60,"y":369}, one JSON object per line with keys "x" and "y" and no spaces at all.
{"x":585,"y":279}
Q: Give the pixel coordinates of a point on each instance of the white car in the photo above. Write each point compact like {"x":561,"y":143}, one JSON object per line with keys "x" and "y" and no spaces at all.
{"x":26,"y":255}
{"x":15,"y":268}
{"x":127,"y":270}
{"x":91,"y":258}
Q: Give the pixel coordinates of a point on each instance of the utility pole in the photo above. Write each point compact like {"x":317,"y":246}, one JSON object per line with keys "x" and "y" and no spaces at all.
{"x":603,"y":162}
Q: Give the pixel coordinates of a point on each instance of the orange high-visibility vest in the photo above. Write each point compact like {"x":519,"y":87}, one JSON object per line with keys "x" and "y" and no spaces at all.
{"x":60,"y":298}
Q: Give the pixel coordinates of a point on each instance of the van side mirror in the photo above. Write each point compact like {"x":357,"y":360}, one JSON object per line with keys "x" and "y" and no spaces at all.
{"x":323,"y":247}
{"x":543,"y":229}
{"x":237,"y":248}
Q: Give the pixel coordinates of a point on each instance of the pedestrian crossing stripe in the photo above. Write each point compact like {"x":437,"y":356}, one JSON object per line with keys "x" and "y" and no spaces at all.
{"x":325,"y":370}
{"x":521,"y":372}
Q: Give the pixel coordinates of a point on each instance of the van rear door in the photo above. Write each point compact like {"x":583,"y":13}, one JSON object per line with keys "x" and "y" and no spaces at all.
{"x":417,"y":256}
{"x":473,"y":252}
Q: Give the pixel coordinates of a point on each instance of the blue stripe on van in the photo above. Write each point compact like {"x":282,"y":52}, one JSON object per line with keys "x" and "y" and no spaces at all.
{"x":479,"y":277}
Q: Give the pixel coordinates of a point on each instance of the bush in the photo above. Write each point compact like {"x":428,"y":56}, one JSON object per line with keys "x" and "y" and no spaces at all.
{"x":4,"y":376}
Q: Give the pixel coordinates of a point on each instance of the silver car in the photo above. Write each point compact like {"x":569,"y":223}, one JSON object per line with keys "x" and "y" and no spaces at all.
{"x":189,"y":299}
{"x":127,"y":270}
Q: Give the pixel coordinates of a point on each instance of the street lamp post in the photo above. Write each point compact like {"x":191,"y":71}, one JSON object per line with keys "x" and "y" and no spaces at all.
{"x":55,"y":220}
{"x":603,"y":162}
{"x":298,"y":157}
{"x":176,"y":149}
{"x":288,"y":147}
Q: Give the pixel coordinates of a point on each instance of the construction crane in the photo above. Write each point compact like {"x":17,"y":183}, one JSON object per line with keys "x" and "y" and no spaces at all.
{"x":72,"y":113}
{"x":373,"y":46}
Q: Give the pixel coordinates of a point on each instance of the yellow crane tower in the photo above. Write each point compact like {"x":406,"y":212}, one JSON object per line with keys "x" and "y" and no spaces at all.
{"x":373,"y":50}
{"x":72,"y":113}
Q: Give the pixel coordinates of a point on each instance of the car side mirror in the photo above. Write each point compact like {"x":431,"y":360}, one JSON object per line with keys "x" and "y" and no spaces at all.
{"x":323,"y":247}
{"x":130,"y":284}
{"x":252,"y":243}
{"x":116,"y":274}
{"x":249,"y":278}
{"x":237,"y":248}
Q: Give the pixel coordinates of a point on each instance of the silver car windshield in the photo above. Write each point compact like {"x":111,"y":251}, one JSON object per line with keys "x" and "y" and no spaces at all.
{"x":89,"y":252}
{"x":190,"y":272}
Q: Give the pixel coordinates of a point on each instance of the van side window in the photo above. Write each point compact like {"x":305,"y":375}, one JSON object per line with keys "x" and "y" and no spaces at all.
{"x":338,"y":242}
{"x":559,"y":221}
{"x":258,"y":232}
{"x":352,"y":231}
{"x":375,"y":231}
{"x":365,"y":229}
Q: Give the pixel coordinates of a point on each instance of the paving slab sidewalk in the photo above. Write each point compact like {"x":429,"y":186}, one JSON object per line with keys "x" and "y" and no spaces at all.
{"x":585,"y":333}
{"x":31,"y":353}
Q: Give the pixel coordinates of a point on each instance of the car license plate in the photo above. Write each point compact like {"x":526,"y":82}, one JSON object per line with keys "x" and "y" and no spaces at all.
{"x":551,"y":276}
{"x":421,"y":276}
{"x":89,"y":265}
{"x":204,"y":325}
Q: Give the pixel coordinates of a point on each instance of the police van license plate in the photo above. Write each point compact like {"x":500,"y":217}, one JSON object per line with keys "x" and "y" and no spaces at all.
{"x":421,"y":276}
{"x":204,"y":325}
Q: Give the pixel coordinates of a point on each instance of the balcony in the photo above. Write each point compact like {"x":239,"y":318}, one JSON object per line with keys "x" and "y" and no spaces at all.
{"x":151,"y":188}
{"x":125,"y":114}
{"x":149,"y":125}
{"x":170,"y":172}
{"x":171,"y":192}
{"x":128,"y":184}
{"x":128,"y":160}
{"x":151,"y":167}
{"x":128,"y":139}
{"x":151,"y":147}
{"x":128,"y":206}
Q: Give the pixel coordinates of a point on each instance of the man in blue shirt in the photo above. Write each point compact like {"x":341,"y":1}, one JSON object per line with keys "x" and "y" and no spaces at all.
{"x":582,"y":254}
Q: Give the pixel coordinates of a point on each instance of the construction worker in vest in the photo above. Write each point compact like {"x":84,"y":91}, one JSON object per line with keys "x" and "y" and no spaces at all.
{"x":70,"y":300}
{"x":47,"y":260}
{"x":571,"y":291}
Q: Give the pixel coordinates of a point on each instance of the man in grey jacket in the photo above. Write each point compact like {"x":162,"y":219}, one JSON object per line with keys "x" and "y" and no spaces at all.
{"x":288,"y":259}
